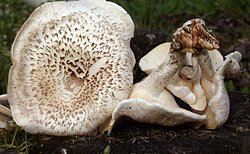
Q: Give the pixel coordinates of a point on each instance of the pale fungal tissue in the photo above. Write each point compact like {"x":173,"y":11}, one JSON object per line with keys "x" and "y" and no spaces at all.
{"x":72,"y":64}
{"x":72,"y":73}
{"x":199,"y":81}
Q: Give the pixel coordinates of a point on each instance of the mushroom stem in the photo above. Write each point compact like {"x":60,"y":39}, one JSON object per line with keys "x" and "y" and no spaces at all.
{"x":219,"y":103}
{"x":159,"y":78}
{"x":230,"y":67}
{"x":217,"y":110}
{"x":189,"y":71}
{"x":186,"y":85}
{"x":206,"y":65}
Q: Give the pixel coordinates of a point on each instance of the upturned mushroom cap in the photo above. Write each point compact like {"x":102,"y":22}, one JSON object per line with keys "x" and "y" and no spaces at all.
{"x":72,"y":64}
{"x":150,"y":107}
{"x":154,"y":58}
{"x":143,"y":110}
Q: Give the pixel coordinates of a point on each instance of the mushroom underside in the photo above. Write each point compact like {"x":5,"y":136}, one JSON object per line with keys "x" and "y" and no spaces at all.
{"x":72,"y":64}
{"x":142,"y":110}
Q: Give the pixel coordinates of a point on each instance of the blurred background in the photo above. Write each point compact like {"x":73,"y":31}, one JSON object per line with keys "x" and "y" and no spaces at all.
{"x":229,"y":19}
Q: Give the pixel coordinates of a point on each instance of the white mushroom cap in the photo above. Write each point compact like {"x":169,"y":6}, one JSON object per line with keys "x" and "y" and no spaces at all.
{"x":72,"y":64}
{"x":144,"y":107}
{"x":150,"y":112}
{"x":153,"y":105}
{"x":189,"y":91}
{"x":154,"y":58}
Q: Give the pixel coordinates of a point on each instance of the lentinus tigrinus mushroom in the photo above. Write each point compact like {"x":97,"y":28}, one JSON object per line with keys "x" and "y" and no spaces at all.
{"x":72,"y":64}
{"x":149,"y":100}
{"x":200,"y":82}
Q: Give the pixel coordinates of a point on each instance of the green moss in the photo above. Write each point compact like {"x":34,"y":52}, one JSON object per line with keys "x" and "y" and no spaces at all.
{"x":246,"y":90}
{"x":230,"y":86}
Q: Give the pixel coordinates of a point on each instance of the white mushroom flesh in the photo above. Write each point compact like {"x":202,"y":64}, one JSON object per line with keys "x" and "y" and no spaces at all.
{"x":149,"y":100}
{"x":208,"y":86}
{"x":72,"y":64}
{"x":219,"y":102}
{"x":205,"y":92}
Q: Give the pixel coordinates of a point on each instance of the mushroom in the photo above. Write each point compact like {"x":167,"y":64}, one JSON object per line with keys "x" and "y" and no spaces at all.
{"x":208,"y":90}
{"x":186,"y":83}
{"x":72,"y":64}
{"x":5,"y":113}
{"x":149,"y":101}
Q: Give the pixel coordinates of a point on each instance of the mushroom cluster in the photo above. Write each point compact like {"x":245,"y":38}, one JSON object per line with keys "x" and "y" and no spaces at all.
{"x":190,"y":68}
{"x":72,"y":73}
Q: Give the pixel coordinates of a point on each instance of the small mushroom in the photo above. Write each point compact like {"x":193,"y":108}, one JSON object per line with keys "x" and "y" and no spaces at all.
{"x":149,"y":101}
{"x":72,"y":64}
{"x":5,"y":113}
